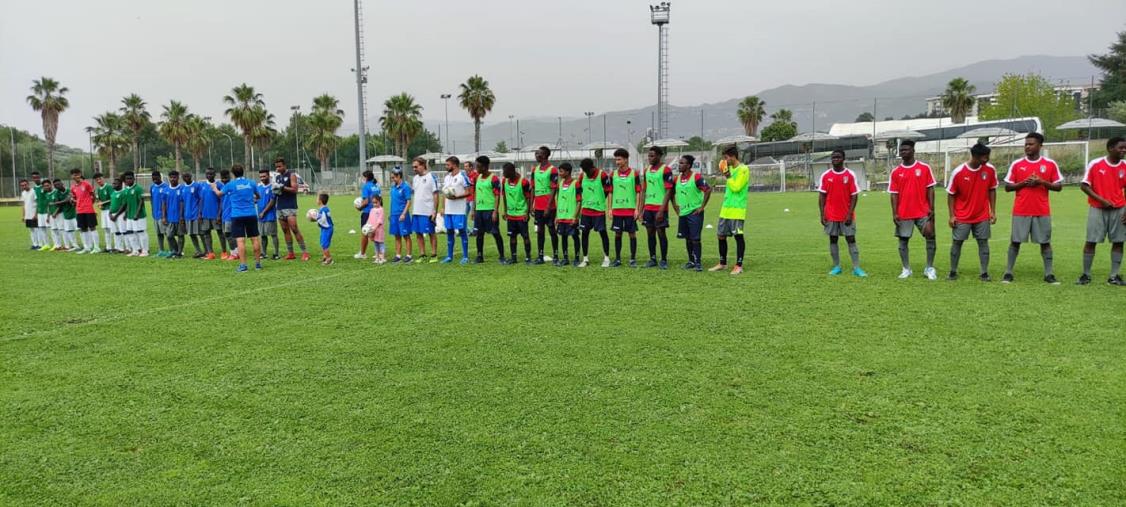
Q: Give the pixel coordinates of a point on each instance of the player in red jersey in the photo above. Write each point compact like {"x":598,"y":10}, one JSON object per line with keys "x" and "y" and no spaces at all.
{"x":1031,"y":178}
{"x":837,"y":200}
{"x":972,"y":202}
{"x":912,"y":206}
{"x":1105,"y":186}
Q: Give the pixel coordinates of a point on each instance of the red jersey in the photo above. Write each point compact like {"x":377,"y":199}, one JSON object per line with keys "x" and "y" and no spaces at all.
{"x":911,"y":183}
{"x":1033,"y":201}
{"x":838,"y":187}
{"x":666,"y":176}
{"x":83,"y":194}
{"x":607,"y":186}
{"x":1107,"y":180}
{"x":541,"y":201}
{"x":970,"y":188}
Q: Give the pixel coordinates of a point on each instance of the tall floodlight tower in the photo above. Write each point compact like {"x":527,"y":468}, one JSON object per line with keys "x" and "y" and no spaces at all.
{"x":659,"y":15}
{"x":361,"y":79}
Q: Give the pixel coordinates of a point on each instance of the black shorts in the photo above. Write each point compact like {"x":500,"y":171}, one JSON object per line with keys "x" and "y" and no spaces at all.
{"x":649,"y":219}
{"x":589,"y":223}
{"x":31,"y":223}
{"x":244,"y":227}
{"x":87,"y":221}
{"x":624,"y":224}
{"x":364,"y":218}
{"x":567,"y":229}
{"x":484,"y":222}
{"x":544,"y":217}
{"x":518,"y":227}
{"x":690,"y":226}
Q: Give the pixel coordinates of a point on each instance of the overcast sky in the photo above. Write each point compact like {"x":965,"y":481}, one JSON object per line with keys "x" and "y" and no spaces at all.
{"x":541,"y":58}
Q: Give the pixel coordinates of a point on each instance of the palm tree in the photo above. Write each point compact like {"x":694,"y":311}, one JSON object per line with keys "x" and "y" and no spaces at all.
{"x":198,"y":139}
{"x":110,"y":137}
{"x":478,"y":100}
{"x":751,"y":111}
{"x":402,"y":120}
{"x":174,"y":126}
{"x":262,"y":131}
{"x":958,"y":99}
{"x":323,"y":122}
{"x":242,"y":103}
{"x":136,"y":118}
{"x":783,"y":115}
{"x":48,"y":99}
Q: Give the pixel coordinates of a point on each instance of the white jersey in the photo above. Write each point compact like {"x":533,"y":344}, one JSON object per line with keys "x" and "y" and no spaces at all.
{"x":460,"y":184}
{"x":29,"y":202}
{"x":424,"y":187}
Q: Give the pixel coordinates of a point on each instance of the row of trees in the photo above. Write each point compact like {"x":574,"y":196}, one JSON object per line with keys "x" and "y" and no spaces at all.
{"x":123,"y":131}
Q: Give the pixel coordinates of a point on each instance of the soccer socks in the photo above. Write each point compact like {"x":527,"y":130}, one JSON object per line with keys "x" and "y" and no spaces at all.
{"x":1089,"y":259}
{"x":1014,"y":250}
{"x":983,"y":255}
{"x":207,"y":247}
{"x":904,"y":254}
{"x":697,"y":248}
{"x":172,"y":243}
{"x":288,"y":245}
{"x":691,"y":251}
{"x":633,"y":248}
{"x":464,"y":243}
{"x":500,"y":245}
{"x":274,"y":238}
{"x":540,"y":232}
{"x":618,"y":247}
{"x":450,"y":243}
{"x":584,"y":246}
{"x":301,"y":244}
{"x":480,"y":244}
{"x":1046,"y":254}
{"x":1115,"y":262}
{"x":955,"y":255}
{"x":143,"y":241}
{"x":160,"y":241}
{"x":854,"y":254}
{"x":82,"y":235}
{"x":527,"y":248}
{"x":564,"y":239}
{"x":723,"y":251}
{"x":663,"y":239}
{"x":195,"y":243}
{"x":932,"y":248}
{"x":554,"y":239}
{"x":651,"y":242}
{"x":834,"y":251}
{"x":740,"y":249}
{"x":605,"y":243}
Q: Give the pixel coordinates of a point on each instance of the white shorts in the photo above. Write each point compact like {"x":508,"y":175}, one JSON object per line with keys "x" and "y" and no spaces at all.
{"x":55,"y":222}
{"x":44,"y":220}
{"x":120,"y":225}
{"x":106,"y":222}
{"x":70,"y":224}
{"x":136,"y":225}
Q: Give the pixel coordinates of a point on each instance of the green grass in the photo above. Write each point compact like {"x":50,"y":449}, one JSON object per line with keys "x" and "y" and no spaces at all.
{"x":130,"y":381}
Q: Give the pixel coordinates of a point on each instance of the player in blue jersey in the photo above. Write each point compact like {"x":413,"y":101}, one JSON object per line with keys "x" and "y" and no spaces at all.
{"x":267,"y":213}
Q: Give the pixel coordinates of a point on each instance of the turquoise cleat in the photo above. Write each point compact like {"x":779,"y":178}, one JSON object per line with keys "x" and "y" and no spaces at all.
{"x":859,"y":273}
{"x":835,"y":271}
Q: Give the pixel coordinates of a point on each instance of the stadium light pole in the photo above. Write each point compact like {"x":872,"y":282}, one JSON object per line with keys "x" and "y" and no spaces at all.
{"x":446,"y":98}
{"x":589,"y":132}
{"x":230,"y":148}
{"x":210,"y":142}
{"x":361,"y":78}
{"x":512,"y":126}
{"x":659,"y":16}
{"x":12,"y":134}
{"x":296,"y":135}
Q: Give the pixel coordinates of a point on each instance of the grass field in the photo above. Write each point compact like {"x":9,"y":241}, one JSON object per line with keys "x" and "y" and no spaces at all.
{"x":150,"y":381}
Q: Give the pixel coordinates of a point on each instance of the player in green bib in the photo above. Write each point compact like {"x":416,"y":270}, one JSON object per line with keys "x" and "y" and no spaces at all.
{"x":486,"y":216}
{"x":567,"y":212}
{"x":517,"y":199}
{"x":626,"y":200}
{"x":545,"y":183}
{"x":658,"y":183}
{"x":116,"y":210}
{"x":734,"y":210}
{"x":689,"y":199}
{"x":593,"y":187}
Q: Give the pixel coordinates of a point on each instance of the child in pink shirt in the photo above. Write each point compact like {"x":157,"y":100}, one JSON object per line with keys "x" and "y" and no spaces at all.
{"x":375,"y":220}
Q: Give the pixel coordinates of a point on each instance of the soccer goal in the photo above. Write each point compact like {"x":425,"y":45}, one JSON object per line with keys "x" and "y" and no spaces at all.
{"x":1072,"y":157}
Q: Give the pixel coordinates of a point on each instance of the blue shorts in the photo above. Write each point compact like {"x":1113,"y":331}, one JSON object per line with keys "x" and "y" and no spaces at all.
{"x":421,"y":224}
{"x":400,"y":228}
{"x":454,"y":222}
{"x":326,"y":238}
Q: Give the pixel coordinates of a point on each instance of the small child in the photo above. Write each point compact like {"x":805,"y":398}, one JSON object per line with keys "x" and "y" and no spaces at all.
{"x":324,"y":221}
{"x":375,"y":220}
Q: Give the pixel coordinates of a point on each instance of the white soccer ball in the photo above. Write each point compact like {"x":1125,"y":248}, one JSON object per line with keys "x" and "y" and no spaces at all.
{"x":450,"y":192}
{"x":440,"y":227}
{"x":312,"y":214}
{"x":367,"y":229}
{"x":787,"y":210}
{"x":276,"y":187}
{"x":358,"y":202}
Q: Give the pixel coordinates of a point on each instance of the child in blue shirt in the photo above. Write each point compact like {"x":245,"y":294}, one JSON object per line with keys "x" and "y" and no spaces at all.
{"x":324,"y":220}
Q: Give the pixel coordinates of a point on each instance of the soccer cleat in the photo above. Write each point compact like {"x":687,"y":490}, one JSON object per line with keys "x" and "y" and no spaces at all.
{"x":397,"y":259}
{"x":447,"y":260}
{"x":663,"y":265}
{"x":290,"y":257}
{"x":737,"y":270}
{"x":242,"y":268}
{"x":95,"y":250}
{"x":583,"y":264}
{"x":224,"y":256}
{"x":327,"y":262}
{"x":359,"y":256}
{"x":1051,"y":280}
{"x":538,"y":261}
{"x":905,"y":274}
{"x":930,"y":273}
{"x":576,"y":262}
{"x":562,"y":263}
{"x":305,"y":256}
{"x":79,"y":252}
{"x":433,"y":259}
{"x":1117,"y":281}
{"x":835,"y":271}
{"x":144,"y":253}
{"x":527,"y":261}
{"x":1007,"y":278}
{"x":275,"y":257}
{"x":209,"y":257}
{"x":718,"y":267}
{"x":605,"y":262}
{"x":616,"y":264}
{"x":1085,"y":280}
{"x":33,"y":247}
{"x":651,"y":264}
{"x":633,"y":263}
{"x":556,"y":262}
{"x":699,"y":268}
{"x":258,"y":266}
{"x":464,"y":261}
{"x":479,"y":260}
{"x":985,"y":277}
{"x":951,"y":276}
{"x":408,"y":259}
{"x":859,"y":273}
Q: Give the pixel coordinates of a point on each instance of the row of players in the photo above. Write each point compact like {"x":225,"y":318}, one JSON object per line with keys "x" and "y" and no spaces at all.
{"x":565,"y":207}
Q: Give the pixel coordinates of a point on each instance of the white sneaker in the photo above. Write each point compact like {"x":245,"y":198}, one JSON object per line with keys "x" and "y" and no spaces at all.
{"x":359,"y":256}
{"x":584,"y":263}
{"x":930,"y":273}
{"x":95,"y":250}
{"x":80,"y":252}
{"x":605,"y":262}
{"x":905,"y":274}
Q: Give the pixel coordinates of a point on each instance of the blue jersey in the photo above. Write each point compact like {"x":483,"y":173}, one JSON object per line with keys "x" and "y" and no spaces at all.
{"x":266,"y":194}
{"x":324,"y":219}
{"x":243,"y":194}
{"x":371,"y":189}
{"x":192,"y":195}
{"x":208,"y":202}
{"x":156,"y":194}
{"x":225,"y":201}
{"x":400,"y":194}
{"x":174,"y":202}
